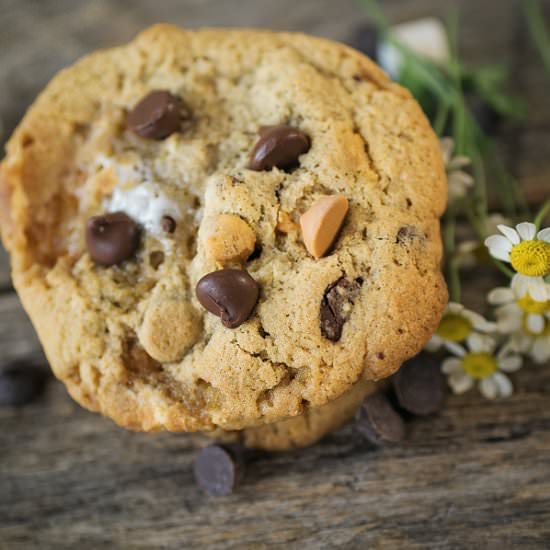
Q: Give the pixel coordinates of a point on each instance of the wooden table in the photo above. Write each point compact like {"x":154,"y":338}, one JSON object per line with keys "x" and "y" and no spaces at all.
{"x":476,"y":476}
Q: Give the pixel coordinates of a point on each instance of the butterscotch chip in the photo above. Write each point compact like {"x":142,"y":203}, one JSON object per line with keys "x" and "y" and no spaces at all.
{"x":169,"y":329}
{"x":231,"y":240}
{"x":321,"y":223}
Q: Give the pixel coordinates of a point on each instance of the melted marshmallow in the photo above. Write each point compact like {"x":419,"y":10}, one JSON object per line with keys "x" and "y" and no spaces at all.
{"x":146,"y":204}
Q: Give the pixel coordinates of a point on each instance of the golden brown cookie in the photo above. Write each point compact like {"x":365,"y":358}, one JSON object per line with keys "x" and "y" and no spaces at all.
{"x":306,"y":429}
{"x":117,"y":189}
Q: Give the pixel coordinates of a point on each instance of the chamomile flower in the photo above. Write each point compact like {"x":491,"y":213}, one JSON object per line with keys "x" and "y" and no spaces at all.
{"x":478,"y":364}
{"x":459,"y":180}
{"x":536,"y":346}
{"x":529,"y":254}
{"x":456,"y":325}
{"x":471,"y":252}
{"x":515,"y":313}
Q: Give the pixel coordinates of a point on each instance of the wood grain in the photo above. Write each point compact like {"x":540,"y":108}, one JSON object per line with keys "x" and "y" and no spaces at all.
{"x":476,"y":476}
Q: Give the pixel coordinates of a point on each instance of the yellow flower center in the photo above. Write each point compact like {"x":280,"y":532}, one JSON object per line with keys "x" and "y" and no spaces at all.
{"x":479,"y":365}
{"x":454,"y":327}
{"x":531,"y":306}
{"x":531,"y":258}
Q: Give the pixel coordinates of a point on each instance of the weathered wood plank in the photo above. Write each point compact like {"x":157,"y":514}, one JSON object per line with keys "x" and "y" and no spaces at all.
{"x":476,"y":474}
{"x":5,"y":281}
{"x":17,"y":337}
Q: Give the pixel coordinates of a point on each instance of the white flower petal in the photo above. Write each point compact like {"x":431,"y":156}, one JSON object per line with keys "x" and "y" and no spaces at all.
{"x":461,"y":178}
{"x":509,"y":325}
{"x":460,"y":382}
{"x":488,"y":387}
{"x":540,"y":351}
{"x":538,"y":290}
{"x":535,"y":286}
{"x":535,"y":323}
{"x":526,"y":230}
{"x":504,"y":386}
{"x":520,"y":342}
{"x":454,"y":307}
{"x":511,"y":363}
{"x":455,"y":348}
{"x":501,"y":295}
{"x":510,"y":233}
{"x":498,"y":244}
{"x":434,"y":343}
{"x":499,"y":254}
{"x":480,"y":343}
{"x":544,"y":235}
{"x":447,"y":148}
{"x":451,"y":364}
{"x":467,"y":246}
{"x":458,"y":162}
{"x":479,"y":322}
{"x":509,"y":318}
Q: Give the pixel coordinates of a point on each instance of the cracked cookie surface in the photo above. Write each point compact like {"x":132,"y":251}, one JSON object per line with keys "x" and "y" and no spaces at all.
{"x":306,"y":429}
{"x":131,"y":340}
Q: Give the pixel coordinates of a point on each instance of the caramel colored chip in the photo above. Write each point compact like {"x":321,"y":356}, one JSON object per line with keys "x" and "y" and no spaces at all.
{"x":231,"y":239}
{"x":169,"y":329}
{"x":321,"y":223}
{"x":285,"y":224}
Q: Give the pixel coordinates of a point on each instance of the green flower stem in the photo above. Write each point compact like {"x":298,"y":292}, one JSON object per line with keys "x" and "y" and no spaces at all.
{"x":449,"y":241}
{"x":480,"y":190}
{"x":537,"y":30}
{"x":477,"y":225}
{"x":441,"y":118}
{"x":542,"y":214}
{"x":502,"y":268}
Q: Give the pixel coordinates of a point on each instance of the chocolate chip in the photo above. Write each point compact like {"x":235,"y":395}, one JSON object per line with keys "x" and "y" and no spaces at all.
{"x":218,"y":469}
{"x":156,"y":259}
{"x":419,"y":385}
{"x":405,"y":233}
{"x":230,"y":294}
{"x":280,"y":147}
{"x":168,"y":224}
{"x":378,"y":421}
{"x":156,"y":116}
{"x":20,"y":383}
{"x":336,"y":306}
{"x":111,"y":238}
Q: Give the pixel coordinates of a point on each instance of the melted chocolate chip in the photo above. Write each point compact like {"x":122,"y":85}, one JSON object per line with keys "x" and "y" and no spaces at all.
{"x":231,"y":294}
{"x":111,"y":238}
{"x":406,"y":233}
{"x":280,"y":147}
{"x":336,"y":307}
{"x":20,"y":383}
{"x":218,"y":469}
{"x":156,"y":116}
{"x":378,"y":421}
{"x":168,"y":224}
{"x":419,"y":385}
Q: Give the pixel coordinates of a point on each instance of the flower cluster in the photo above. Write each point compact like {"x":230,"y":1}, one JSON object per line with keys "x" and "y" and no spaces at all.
{"x":484,"y":352}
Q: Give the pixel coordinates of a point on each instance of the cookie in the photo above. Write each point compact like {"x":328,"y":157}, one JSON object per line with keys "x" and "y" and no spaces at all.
{"x":306,"y":429}
{"x":223,"y":228}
